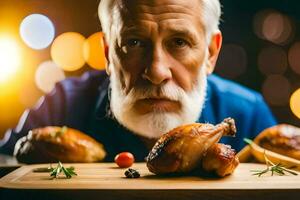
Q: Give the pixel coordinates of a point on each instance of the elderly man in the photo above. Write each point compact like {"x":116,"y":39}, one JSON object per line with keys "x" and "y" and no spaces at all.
{"x":160,"y":56}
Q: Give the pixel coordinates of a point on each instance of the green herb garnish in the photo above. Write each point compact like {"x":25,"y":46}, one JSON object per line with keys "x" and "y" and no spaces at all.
{"x":43,"y":169}
{"x":278,"y":168}
{"x":248,"y":141}
{"x":68,"y":172}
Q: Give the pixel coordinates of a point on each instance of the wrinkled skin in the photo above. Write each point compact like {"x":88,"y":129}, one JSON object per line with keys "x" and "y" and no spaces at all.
{"x":159,"y":41}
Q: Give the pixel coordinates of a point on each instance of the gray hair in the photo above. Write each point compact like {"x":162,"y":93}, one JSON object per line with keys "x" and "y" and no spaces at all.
{"x":211,"y":16}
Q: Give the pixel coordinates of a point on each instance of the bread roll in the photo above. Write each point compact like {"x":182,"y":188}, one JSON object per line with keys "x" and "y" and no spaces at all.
{"x":53,"y":144}
{"x":283,"y":139}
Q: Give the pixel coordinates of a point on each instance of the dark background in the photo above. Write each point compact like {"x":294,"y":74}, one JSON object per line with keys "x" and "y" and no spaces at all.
{"x":238,"y":61}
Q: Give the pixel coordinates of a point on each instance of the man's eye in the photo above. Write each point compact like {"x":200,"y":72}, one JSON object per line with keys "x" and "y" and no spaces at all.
{"x":135,"y":43}
{"x":179,"y":43}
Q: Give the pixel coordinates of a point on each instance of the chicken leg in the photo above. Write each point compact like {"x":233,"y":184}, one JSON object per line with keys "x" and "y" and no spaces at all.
{"x":182,"y":149}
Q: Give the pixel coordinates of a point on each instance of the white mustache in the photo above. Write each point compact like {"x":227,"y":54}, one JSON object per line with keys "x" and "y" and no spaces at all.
{"x":167,"y":91}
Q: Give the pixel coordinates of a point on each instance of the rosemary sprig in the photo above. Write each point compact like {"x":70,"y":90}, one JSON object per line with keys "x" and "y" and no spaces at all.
{"x":68,"y":172}
{"x":278,"y":168}
{"x":248,"y":141}
{"x":56,"y":171}
{"x":43,"y":169}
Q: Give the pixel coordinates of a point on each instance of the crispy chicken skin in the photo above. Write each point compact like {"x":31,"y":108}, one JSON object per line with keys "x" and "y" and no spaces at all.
{"x":283,"y":139}
{"x":220,"y":159}
{"x":52,"y":144}
{"x":183,"y":148}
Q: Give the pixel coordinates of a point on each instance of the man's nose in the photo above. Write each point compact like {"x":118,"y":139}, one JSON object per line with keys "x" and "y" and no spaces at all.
{"x":159,"y":69}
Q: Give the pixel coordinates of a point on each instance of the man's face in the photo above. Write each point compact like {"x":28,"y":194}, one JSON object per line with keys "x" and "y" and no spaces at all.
{"x":157,"y":56}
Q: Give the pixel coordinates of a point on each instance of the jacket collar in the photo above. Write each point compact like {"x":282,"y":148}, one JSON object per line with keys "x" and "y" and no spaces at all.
{"x":103,"y":101}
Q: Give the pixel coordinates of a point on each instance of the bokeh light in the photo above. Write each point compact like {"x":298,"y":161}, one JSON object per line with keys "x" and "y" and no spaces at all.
{"x":276,"y":90}
{"x":295,"y":103}
{"x":47,"y":74}
{"x":273,"y":26}
{"x":258,"y":21}
{"x":272,"y":60}
{"x":10,"y":58}
{"x":37,"y":31}
{"x":294,"y":57}
{"x":232,"y":61}
{"x":94,"y":51}
{"x":67,"y":51}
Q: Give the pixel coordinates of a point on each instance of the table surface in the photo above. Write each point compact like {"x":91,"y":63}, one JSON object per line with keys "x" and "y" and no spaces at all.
{"x":8,"y":161}
{"x":101,"y":178}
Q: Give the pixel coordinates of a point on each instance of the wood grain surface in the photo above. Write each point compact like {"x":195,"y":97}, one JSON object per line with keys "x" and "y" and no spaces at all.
{"x":108,"y":181}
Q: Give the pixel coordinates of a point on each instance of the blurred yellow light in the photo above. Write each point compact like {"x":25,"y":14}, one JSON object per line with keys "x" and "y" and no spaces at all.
{"x":295,"y":103}
{"x":94,"y":51}
{"x":67,"y":51}
{"x":9,"y":58}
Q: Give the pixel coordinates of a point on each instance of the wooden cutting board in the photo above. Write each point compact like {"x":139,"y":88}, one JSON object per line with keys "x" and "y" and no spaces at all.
{"x":107,"y":181}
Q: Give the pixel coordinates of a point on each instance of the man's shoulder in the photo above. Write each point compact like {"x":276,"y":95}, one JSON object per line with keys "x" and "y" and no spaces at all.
{"x":226,"y":98}
{"x":224,"y":89}
{"x":75,"y":98}
{"x":79,"y":94}
{"x":90,"y":80}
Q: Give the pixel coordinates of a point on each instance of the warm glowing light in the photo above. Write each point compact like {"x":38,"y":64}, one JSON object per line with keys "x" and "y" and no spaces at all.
{"x":94,"y":52}
{"x":295,"y":103}
{"x":37,"y":31}
{"x":9,"y":58}
{"x":273,"y":26}
{"x":28,"y":94}
{"x":67,"y":51}
{"x":47,"y":74}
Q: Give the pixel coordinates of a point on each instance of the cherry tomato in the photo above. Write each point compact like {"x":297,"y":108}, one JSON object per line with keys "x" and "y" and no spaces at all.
{"x":124,"y":159}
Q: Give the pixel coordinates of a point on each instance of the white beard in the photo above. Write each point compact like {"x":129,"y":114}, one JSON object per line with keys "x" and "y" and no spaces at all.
{"x":157,"y":122}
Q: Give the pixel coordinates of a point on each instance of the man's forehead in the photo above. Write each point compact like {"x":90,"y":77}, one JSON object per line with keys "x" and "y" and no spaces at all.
{"x":158,"y":6}
{"x":170,"y":13}
{"x":178,"y":28}
{"x":189,"y":3}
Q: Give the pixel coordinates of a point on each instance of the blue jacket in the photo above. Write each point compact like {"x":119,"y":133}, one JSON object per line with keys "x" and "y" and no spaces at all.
{"x":83,"y":103}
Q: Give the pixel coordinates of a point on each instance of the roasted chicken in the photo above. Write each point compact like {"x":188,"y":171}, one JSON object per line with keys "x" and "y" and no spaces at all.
{"x":283,"y":139}
{"x":193,"y":146}
{"x":220,"y":159}
{"x":52,"y":144}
